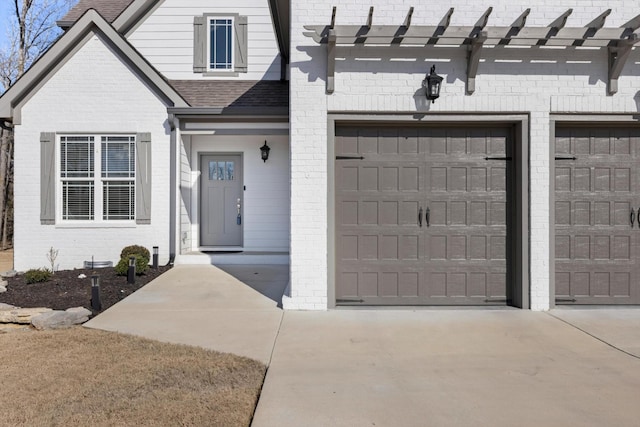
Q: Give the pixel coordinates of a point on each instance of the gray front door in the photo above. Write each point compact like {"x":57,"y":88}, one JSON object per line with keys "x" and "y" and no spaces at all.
{"x":421,"y":215}
{"x":221,"y":202}
{"x":597,"y":200}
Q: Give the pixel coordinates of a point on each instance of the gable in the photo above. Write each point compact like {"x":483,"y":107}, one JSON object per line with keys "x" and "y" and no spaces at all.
{"x":91,"y":23}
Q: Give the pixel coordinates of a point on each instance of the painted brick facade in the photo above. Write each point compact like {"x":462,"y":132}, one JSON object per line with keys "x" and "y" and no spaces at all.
{"x":537,"y":82}
{"x":93,"y":92}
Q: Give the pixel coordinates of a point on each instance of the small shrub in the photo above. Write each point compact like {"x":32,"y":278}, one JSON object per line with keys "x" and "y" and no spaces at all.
{"x":137,"y":250}
{"x":142,"y":260}
{"x":37,"y":275}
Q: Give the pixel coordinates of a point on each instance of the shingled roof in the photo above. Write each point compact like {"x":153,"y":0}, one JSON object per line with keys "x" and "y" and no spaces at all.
{"x":109,"y":9}
{"x":224,"y":93}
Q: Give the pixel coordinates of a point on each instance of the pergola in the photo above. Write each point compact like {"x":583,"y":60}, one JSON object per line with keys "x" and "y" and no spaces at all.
{"x":618,"y":41}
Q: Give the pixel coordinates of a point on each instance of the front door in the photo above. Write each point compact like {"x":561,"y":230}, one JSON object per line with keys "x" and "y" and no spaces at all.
{"x":221,"y":203}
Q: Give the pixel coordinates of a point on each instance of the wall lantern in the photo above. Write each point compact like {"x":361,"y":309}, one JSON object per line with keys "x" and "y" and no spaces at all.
{"x":431,"y":85}
{"x":264,"y":151}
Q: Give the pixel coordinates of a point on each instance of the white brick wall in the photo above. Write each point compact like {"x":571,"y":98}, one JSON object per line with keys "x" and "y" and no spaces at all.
{"x":535,"y":81}
{"x":93,"y":92}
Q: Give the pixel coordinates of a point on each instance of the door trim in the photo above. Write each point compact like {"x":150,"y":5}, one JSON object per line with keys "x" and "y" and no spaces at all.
{"x":520,"y":124}
{"x":584,"y":119}
{"x":198,"y":200}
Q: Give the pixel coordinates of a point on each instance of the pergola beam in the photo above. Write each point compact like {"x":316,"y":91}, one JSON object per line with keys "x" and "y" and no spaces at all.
{"x":473,"y":60}
{"x":331,"y":61}
{"x":441,"y":28}
{"x":618,"y":56}
{"x":619,"y":42}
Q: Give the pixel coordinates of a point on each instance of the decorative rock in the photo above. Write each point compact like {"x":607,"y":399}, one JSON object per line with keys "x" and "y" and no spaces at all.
{"x":82,"y":276}
{"x":21,"y":315}
{"x":61,"y":319}
{"x":4,"y":283}
{"x":2,"y":289}
{"x":4,"y":306}
{"x":10,"y":273}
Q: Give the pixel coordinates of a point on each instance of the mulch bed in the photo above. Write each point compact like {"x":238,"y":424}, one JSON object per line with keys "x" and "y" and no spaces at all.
{"x":65,"y":290}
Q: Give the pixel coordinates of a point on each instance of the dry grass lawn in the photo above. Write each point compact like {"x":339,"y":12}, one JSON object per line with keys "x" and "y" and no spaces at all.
{"x":81,"y":377}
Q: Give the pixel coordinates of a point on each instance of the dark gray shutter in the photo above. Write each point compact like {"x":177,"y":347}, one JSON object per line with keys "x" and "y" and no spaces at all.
{"x":241,"y":47}
{"x":199,"y":44}
{"x":143,"y":178}
{"x":47,"y":178}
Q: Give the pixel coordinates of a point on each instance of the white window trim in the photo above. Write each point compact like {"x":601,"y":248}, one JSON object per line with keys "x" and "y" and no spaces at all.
{"x":98,"y":196}
{"x":230,"y":70}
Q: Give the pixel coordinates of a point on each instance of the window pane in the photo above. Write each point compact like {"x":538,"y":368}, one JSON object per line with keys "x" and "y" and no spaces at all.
{"x":76,"y":157}
{"x":77,"y":200}
{"x":118,"y":200}
{"x":118,"y":157}
{"x":213,"y":171}
{"x":221,"y":44}
{"x":230,"y":171}
{"x":220,"y":171}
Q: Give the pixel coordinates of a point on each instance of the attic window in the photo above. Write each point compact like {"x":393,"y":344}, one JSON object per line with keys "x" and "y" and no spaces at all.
{"x":220,"y":44}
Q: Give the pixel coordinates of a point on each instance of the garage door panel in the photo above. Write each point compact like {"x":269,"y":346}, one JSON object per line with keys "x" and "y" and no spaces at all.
{"x":596,"y":245}
{"x":433,"y":229}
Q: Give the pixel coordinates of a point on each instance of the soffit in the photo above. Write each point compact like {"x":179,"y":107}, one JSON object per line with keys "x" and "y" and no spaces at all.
{"x":618,"y":41}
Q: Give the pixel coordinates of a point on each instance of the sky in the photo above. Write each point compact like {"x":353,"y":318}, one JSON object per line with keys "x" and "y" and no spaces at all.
{"x":6,"y":11}
{"x":4,"y":20}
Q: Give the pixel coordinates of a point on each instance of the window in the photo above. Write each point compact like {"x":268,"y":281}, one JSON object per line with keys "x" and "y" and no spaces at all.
{"x":220,"y":44}
{"x":108,"y":195}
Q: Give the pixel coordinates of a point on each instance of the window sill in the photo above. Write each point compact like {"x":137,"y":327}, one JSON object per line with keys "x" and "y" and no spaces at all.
{"x":95,"y":225}
{"x":220,"y":74}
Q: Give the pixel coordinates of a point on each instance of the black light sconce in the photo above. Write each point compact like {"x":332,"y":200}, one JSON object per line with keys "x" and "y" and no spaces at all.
{"x":264,"y":151}
{"x":431,"y":85}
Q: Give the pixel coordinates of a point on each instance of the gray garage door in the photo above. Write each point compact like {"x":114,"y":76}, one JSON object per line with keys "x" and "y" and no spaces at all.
{"x":421,"y":215}
{"x":597,"y":199}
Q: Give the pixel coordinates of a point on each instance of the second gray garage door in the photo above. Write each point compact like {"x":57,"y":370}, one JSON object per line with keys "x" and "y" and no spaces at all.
{"x":421,"y":215}
{"x":597,"y":208}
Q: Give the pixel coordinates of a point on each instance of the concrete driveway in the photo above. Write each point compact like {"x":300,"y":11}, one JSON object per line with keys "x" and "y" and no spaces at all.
{"x":428,"y":367}
{"x":453,"y":368}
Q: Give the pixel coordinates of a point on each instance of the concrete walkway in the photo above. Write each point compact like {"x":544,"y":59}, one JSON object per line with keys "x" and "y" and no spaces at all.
{"x":428,"y":367}
{"x":202,"y":305}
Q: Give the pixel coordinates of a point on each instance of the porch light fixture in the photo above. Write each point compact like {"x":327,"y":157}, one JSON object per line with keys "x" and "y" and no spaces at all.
{"x":431,"y":85}
{"x":264,"y":151}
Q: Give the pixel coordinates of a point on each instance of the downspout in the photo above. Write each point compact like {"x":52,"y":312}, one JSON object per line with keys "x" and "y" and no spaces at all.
{"x":173,"y":193}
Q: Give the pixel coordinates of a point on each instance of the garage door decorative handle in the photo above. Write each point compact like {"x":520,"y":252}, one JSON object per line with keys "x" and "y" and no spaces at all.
{"x":632,"y":217}
{"x":420,"y":217}
{"x":427,"y":216}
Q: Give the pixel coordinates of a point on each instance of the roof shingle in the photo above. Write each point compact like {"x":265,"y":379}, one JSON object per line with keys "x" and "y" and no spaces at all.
{"x":224,"y":93}
{"x":109,"y":9}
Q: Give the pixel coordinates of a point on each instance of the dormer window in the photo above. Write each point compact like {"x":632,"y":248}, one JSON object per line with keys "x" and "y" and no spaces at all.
{"x":220,"y":44}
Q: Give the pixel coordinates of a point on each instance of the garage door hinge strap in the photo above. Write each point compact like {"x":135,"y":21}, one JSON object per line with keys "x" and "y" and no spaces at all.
{"x":566,"y":300}
{"x":348,"y":300}
{"x":349,"y":158}
{"x":566,"y":158}
{"x":497,"y":158}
